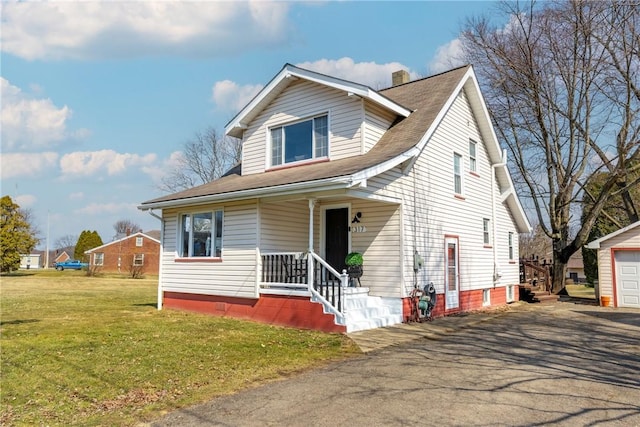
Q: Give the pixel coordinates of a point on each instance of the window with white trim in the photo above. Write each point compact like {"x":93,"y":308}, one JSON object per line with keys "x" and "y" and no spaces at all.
{"x":303,"y":140}
{"x":457,"y":173}
{"x":486,"y":297}
{"x":486,"y":231}
{"x":138,"y":241}
{"x":511,"y":252}
{"x":138,"y":260}
{"x":472,"y":155}
{"x":201,"y":234}
{"x":98,"y":258}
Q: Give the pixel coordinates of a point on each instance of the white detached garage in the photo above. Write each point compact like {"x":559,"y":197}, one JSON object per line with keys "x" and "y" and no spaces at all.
{"x":619,"y":266}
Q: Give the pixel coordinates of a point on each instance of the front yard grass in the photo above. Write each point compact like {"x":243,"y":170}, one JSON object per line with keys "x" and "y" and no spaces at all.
{"x":79,"y":350}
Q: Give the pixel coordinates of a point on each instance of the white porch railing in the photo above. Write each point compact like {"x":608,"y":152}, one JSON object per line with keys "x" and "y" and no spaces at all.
{"x":304,"y":273}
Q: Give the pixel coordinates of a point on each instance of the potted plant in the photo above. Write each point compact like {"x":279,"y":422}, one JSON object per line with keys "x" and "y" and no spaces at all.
{"x":354,"y":264}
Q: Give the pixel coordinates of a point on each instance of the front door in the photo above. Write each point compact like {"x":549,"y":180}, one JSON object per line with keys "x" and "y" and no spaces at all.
{"x":336,"y":237}
{"x":452,"y":276}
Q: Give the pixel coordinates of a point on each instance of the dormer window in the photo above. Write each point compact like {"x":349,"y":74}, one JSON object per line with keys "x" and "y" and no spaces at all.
{"x":299,"y":141}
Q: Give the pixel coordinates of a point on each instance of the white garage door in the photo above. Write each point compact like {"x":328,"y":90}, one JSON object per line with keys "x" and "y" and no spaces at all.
{"x":628,"y":278}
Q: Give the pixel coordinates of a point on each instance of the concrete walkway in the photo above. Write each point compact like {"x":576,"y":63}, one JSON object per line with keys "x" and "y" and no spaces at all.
{"x":380,"y":338}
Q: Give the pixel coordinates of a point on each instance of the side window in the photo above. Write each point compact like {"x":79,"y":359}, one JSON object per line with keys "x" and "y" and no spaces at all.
{"x":138,"y":241}
{"x":486,"y":231}
{"x":138,"y":259}
{"x":98,"y":258}
{"x":201,"y":234}
{"x":457,"y":173}
{"x":472,"y":155}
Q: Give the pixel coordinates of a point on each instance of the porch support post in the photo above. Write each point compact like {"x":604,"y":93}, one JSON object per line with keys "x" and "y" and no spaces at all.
{"x":312,"y":205}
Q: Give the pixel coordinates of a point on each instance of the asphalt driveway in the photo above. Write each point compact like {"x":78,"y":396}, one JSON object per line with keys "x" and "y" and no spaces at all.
{"x":561,"y":364}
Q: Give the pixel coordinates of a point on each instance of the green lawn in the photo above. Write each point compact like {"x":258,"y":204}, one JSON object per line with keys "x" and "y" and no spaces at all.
{"x":79,"y":350}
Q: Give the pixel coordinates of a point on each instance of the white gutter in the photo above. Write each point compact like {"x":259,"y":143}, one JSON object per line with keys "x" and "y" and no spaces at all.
{"x":282,"y":190}
{"x":497,"y":273}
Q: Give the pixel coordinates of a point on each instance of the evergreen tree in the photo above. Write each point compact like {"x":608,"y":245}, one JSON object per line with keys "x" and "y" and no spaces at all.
{"x":16,"y":235}
{"x":87,"y":240}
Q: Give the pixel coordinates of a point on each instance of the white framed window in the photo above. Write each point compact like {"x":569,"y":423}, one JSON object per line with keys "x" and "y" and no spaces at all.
{"x":138,"y":260}
{"x":98,"y":258}
{"x":139,"y":241}
{"x":472,"y":155}
{"x":510,"y":293}
{"x":201,"y":234}
{"x":486,"y":231}
{"x":486,"y":297}
{"x":299,"y":141}
{"x":457,"y":173}
{"x":511,"y":251}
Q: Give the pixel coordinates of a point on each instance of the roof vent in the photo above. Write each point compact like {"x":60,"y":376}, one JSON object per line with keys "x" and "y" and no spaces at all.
{"x":399,"y":77}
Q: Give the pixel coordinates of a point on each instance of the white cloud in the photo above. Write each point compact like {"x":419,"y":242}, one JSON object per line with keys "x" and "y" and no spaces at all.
{"x":89,"y":30}
{"x":447,"y":56}
{"x":157,"y":172}
{"x":106,"y":208}
{"x":25,"y":200}
{"x":230,"y":96}
{"x":87,"y":163}
{"x":376,"y":76}
{"x":30,"y":123}
{"x":27,"y":164}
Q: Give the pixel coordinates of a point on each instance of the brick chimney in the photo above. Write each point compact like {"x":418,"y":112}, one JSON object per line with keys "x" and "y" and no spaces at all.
{"x":399,"y":77}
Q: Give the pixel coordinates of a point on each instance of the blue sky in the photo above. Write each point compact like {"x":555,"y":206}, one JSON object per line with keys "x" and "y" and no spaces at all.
{"x":98,"y":98}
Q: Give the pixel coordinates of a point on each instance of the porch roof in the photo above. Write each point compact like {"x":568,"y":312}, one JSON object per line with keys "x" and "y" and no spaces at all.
{"x":425,"y":98}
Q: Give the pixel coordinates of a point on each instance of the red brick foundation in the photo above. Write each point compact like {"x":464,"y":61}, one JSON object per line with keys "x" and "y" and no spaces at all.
{"x":297,"y":312}
{"x":468,"y":301}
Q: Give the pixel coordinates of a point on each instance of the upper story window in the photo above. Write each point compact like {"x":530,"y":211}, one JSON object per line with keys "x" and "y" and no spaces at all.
{"x":201,"y":234}
{"x":486,"y":231}
{"x":457,"y":175}
{"x":472,"y":156}
{"x":138,"y":241}
{"x":300,"y":141}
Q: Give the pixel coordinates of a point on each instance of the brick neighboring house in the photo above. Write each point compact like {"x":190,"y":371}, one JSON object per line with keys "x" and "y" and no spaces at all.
{"x":136,"y":250}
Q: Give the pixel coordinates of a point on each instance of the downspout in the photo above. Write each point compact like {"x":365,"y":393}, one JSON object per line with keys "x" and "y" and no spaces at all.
{"x":497,"y":273}
{"x":153,"y":214}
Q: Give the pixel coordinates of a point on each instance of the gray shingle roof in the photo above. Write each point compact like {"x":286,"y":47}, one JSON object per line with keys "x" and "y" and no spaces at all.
{"x":425,"y":97}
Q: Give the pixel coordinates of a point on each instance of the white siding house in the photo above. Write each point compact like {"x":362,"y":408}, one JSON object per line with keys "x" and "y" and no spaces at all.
{"x":412,"y":177}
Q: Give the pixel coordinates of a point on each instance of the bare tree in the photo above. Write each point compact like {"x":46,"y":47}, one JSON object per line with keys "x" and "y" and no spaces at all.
{"x":204,"y":158}
{"x":562,"y":83}
{"x":125,"y":227}
{"x":66,"y":241}
{"x":535,"y":244}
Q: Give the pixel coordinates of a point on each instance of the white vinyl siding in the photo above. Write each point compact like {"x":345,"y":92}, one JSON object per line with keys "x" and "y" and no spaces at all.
{"x":377,"y":121}
{"x":430,"y":213}
{"x":300,"y":100}
{"x":235,"y":275}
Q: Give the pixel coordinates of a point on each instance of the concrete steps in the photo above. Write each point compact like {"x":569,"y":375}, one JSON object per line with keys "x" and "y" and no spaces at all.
{"x":363,"y":311}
